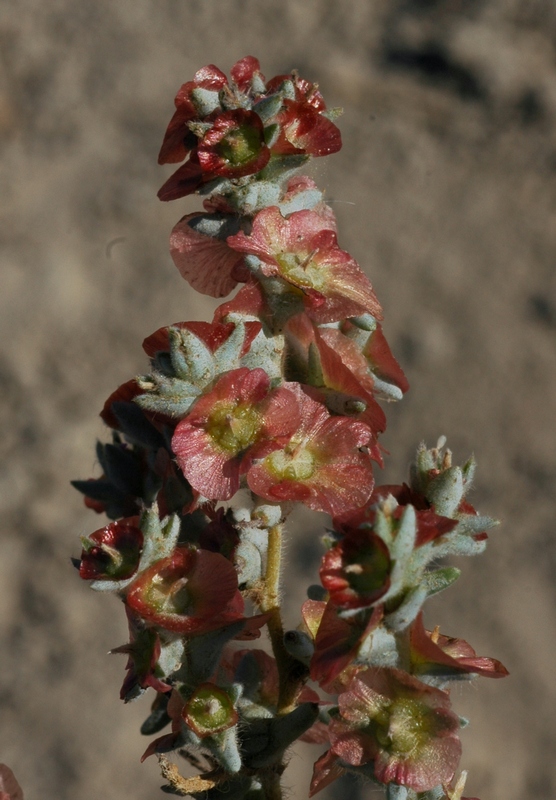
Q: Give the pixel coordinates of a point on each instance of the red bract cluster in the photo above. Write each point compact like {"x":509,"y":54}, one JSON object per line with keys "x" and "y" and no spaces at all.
{"x":402,"y":726}
{"x":277,"y":401}
{"x":302,"y":251}
{"x":190,"y":592}
{"x":233,"y":129}
{"x":289,"y":445}
{"x":214,"y":443}
{"x":322,"y":465}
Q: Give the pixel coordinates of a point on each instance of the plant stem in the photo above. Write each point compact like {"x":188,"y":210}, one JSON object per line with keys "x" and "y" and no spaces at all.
{"x":292,"y":673}
{"x":271,"y":785}
{"x":271,"y":594}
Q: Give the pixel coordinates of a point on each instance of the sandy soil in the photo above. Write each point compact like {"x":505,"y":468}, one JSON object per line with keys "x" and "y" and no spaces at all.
{"x":445,"y":192}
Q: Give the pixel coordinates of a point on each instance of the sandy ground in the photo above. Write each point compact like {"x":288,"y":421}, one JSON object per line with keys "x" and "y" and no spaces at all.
{"x":445,"y":192}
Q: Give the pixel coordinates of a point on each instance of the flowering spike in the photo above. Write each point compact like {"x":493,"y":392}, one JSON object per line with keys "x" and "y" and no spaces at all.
{"x":276,"y":401}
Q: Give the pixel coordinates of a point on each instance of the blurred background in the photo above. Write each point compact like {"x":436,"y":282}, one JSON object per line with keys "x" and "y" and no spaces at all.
{"x":445,"y":191}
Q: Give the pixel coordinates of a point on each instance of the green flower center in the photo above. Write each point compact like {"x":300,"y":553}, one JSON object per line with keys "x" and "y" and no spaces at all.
{"x":369,"y":570}
{"x":169,"y":596}
{"x":408,"y":727}
{"x":297,"y":466}
{"x":210,"y":710}
{"x":300,"y":269}
{"x":240,"y":146}
{"x":234,"y":428}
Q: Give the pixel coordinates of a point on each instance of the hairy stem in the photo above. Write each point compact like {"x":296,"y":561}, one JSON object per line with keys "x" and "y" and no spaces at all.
{"x":271,"y":595}
{"x":292,"y":674}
